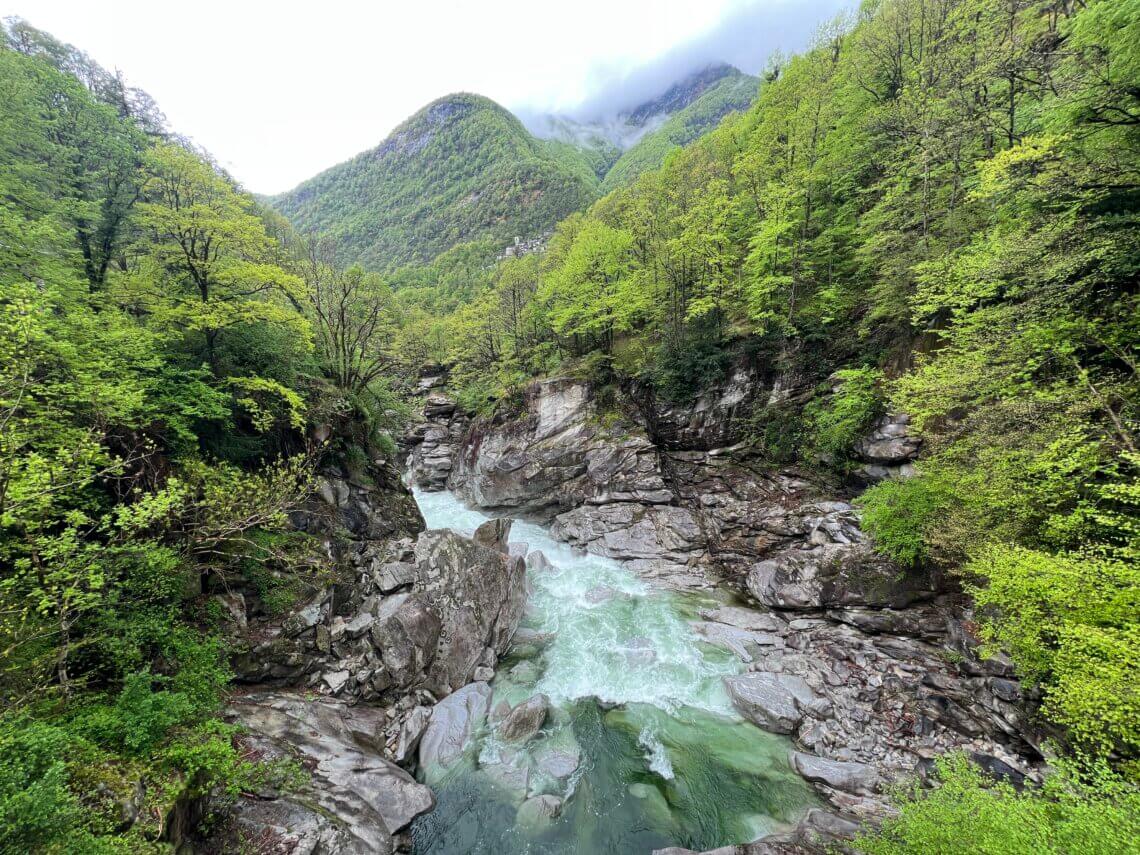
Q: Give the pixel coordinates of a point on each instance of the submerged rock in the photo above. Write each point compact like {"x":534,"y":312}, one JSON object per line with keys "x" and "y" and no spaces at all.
{"x":536,"y":812}
{"x":525,"y":720}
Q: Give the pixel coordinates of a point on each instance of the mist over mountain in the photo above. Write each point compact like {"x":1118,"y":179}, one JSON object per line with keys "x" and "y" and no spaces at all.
{"x":464,"y":168}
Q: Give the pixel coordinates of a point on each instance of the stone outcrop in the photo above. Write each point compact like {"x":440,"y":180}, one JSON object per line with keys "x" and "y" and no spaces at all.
{"x":354,"y":801}
{"x":562,"y":452}
{"x":868,"y":707}
{"x":416,"y":617}
{"x":431,"y":446}
{"x":889,"y":450}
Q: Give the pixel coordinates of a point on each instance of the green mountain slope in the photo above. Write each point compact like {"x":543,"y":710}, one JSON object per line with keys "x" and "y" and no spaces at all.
{"x":460,"y":169}
{"x":734,"y":91}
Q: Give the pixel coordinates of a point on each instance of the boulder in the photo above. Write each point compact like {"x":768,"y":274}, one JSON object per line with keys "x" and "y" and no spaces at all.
{"x":406,"y":631}
{"x":494,"y":533}
{"x":858,"y":778}
{"x":538,"y":562}
{"x":478,"y":593}
{"x":411,"y":731}
{"x":775,"y":702}
{"x":453,"y":721}
{"x":537,"y":811}
{"x":524,"y":720}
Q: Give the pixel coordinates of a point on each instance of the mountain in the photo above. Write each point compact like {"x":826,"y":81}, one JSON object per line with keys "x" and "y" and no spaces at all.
{"x":460,"y":169}
{"x":621,"y":144}
{"x":734,"y":91}
{"x":464,"y":168}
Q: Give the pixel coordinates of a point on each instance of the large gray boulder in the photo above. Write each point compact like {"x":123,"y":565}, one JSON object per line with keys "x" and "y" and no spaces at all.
{"x":494,"y":534}
{"x":355,"y":800}
{"x":775,"y":702}
{"x":453,"y":721}
{"x":478,"y":593}
{"x":406,"y":631}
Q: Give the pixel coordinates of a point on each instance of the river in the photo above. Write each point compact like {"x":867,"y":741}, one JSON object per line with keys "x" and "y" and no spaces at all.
{"x":636,"y":697}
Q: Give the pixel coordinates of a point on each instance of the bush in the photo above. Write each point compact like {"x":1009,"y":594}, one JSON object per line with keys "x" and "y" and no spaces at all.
{"x":836,"y":422}
{"x":898,"y":515}
{"x":1088,"y":811}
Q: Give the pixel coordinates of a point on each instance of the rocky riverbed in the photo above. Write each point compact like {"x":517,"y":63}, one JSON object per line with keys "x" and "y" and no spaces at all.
{"x":870,"y":670}
{"x":673,"y":644}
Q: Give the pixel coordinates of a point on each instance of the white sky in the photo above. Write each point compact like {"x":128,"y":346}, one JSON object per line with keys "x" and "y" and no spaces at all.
{"x":278,"y":91}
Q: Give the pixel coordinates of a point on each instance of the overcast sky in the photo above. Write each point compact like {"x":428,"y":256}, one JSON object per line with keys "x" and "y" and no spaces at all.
{"x":278,"y":91}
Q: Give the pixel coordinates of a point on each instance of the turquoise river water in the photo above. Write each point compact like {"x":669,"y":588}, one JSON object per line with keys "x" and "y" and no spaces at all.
{"x":636,"y":697}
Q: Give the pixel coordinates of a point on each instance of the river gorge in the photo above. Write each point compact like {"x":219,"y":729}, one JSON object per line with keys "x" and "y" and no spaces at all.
{"x":579,"y":627}
{"x":641,"y":747}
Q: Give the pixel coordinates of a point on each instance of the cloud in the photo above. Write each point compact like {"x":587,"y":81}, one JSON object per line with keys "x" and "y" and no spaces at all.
{"x":745,"y":38}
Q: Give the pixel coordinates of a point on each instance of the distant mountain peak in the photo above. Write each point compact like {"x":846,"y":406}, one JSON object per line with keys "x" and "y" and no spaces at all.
{"x":682,"y":93}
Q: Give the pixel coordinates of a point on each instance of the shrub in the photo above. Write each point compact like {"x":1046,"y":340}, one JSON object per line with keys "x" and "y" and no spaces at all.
{"x":1089,"y":811}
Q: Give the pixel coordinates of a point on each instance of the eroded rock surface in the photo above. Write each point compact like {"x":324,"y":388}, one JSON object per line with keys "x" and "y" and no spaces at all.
{"x":355,"y":800}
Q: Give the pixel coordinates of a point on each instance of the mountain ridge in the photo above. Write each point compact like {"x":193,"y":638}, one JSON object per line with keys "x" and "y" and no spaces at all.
{"x":465,"y":168}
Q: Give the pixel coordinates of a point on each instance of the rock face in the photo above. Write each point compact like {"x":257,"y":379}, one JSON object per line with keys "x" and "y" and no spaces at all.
{"x":416,"y":617}
{"x":432,"y":445}
{"x":560,"y":454}
{"x":889,"y":450}
{"x":355,"y":800}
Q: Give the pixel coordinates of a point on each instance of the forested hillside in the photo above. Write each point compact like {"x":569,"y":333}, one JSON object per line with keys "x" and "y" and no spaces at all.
{"x":934,"y":211}
{"x":161,"y":353}
{"x":461,"y":169}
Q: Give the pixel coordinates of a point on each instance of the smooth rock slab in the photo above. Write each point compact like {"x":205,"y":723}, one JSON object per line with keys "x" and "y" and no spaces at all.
{"x":858,"y":778}
{"x":453,"y":721}
{"x":772,"y":701}
{"x":364,"y":799}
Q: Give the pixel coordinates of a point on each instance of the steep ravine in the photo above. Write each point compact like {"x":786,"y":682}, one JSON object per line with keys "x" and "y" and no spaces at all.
{"x":870,"y":672}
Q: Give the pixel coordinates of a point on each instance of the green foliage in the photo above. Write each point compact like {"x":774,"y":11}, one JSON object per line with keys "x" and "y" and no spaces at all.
{"x":147,"y":329}
{"x":899,"y":516}
{"x":461,"y":169}
{"x":1078,"y":810}
{"x":837,"y":422}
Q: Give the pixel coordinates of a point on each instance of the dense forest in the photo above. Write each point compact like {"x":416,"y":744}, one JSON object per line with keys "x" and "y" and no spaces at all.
{"x":934,"y":210}
{"x":161,"y":353}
